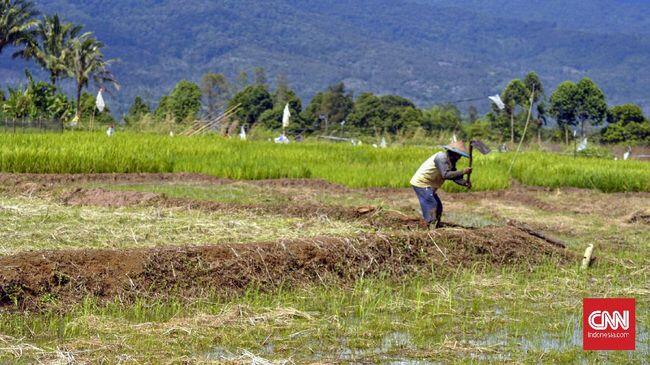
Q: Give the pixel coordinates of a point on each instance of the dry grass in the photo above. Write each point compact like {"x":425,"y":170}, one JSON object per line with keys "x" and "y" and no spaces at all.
{"x":37,"y":224}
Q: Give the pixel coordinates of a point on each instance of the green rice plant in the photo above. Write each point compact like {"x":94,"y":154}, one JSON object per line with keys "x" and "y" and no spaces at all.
{"x":362,"y":166}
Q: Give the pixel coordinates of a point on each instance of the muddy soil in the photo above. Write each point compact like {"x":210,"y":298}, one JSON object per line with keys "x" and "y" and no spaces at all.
{"x":38,"y":280}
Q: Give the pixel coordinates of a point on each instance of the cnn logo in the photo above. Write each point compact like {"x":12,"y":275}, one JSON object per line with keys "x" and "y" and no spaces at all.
{"x":601,"y":320}
{"x":608,"y":324}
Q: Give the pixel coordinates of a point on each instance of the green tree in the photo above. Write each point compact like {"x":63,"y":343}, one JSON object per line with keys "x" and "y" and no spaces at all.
{"x":17,"y":22}
{"x":515,"y":94}
{"x":39,"y":100}
{"x":368,"y":114}
{"x":282,"y":90}
{"x":272,"y":118}
{"x":185,"y":101}
{"x":479,"y":129}
{"x":578,"y":104}
{"x":541,"y":119}
{"x":137,"y":110}
{"x":90,"y":111}
{"x":163,"y":110}
{"x":591,"y":106}
{"x":50,"y":45}
{"x":624,"y":114}
{"x":626,"y":124}
{"x":442,"y":118}
{"x":86,"y":62}
{"x":564,"y":106}
{"x":534,"y":87}
{"x":19,"y":104}
{"x":253,"y":101}
{"x":384,"y":114}
{"x":329,"y":108}
{"x":216,"y":91}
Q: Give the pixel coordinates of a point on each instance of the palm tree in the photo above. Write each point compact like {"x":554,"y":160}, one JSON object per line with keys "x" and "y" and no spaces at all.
{"x":86,"y":62}
{"x":16,"y":22}
{"x":50,"y":44}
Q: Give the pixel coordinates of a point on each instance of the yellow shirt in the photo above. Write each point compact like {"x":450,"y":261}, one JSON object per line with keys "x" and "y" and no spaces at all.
{"x":428,"y":175}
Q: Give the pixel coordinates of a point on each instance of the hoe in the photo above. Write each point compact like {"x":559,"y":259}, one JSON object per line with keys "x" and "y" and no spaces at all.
{"x":481,"y":147}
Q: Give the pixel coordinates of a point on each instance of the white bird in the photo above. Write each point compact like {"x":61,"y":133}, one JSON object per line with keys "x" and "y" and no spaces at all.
{"x":627,"y":153}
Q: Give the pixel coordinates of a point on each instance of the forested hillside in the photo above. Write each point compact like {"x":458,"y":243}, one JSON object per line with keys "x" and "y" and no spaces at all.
{"x":430,"y":51}
{"x":597,"y":16}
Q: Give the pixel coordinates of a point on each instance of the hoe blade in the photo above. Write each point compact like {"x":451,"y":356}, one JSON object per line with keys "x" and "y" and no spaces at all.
{"x":482,"y":147}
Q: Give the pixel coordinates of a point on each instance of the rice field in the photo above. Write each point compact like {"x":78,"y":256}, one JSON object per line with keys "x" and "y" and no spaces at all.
{"x":480,"y":311}
{"x":364,"y":166}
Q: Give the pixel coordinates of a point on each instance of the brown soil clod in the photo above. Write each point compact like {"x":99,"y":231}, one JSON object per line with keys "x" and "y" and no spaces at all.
{"x":639,"y":217}
{"x":68,"y":276}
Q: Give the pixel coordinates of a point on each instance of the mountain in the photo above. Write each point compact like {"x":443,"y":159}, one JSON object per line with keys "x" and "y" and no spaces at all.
{"x":597,"y":16}
{"x":431,"y":51}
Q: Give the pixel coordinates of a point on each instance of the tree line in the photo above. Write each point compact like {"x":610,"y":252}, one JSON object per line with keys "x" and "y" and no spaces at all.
{"x":577,"y":109}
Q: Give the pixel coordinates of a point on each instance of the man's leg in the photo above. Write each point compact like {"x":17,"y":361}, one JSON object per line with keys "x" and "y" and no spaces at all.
{"x":427,"y":203}
{"x":438,"y":220}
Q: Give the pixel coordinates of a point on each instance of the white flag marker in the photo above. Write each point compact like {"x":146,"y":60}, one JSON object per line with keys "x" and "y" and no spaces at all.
{"x":285,"y":116}
{"x":582,"y":146}
{"x":100,"y":101}
{"x":496,"y":99}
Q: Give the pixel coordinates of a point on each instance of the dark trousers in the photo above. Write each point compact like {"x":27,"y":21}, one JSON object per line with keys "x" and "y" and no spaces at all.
{"x":430,"y":204}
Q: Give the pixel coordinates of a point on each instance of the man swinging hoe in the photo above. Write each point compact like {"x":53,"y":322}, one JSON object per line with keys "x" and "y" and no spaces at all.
{"x":433,"y":173}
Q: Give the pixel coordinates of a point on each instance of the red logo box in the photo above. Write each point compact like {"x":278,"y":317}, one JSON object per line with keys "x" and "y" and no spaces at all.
{"x":608,"y":323}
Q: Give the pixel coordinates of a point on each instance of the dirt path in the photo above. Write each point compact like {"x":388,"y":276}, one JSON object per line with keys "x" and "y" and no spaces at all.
{"x":579,"y":201}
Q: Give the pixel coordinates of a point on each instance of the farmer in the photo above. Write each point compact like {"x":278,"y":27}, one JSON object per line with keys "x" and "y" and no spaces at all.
{"x":432,"y":174}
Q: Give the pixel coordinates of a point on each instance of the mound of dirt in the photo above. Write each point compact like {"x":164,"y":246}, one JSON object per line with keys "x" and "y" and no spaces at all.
{"x":68,"y":276}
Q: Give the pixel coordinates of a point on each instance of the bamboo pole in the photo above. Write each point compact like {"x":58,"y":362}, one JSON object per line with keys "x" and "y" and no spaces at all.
{"x":521,"y":141}
{"x":212,"y":123}
{"x":198,"y":126}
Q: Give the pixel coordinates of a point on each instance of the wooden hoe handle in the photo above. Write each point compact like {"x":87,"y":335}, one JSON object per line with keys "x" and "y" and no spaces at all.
{"x":471,"y":160}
